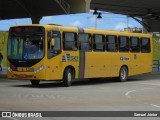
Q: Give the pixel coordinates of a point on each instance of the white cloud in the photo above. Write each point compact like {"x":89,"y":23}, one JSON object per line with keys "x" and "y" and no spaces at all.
{"x":48,"y":18}
{"x":77,"y":24}
{"x":120,"y":26}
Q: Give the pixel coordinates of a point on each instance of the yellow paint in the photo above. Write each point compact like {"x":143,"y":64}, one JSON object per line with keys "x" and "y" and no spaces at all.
{"x":97,"y":64}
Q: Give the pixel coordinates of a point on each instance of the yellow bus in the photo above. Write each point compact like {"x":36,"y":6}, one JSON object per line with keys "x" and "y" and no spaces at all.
{"x":54,"y":52}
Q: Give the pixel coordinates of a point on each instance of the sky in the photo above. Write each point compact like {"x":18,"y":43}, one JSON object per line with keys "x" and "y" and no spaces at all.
{"x":109,"y":21}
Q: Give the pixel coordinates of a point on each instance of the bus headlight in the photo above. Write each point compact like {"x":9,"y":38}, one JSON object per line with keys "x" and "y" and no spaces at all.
{"x":40,"y":69}
{"x":9,"y":69}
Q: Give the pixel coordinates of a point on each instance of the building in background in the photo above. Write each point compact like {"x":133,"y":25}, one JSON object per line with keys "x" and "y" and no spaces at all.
{"x":156,"y":35}
{"x":134,"y":29}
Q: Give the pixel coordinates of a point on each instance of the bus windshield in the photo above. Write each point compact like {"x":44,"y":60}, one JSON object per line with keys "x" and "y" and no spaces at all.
{"x":26,"y":43}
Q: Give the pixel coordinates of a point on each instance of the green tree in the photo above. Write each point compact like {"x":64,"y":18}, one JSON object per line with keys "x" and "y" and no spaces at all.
{"x":3,"y":46}
{"x":156,"y":48}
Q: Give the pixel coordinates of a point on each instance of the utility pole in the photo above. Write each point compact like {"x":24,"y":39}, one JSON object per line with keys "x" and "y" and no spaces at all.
{"x":95,"y":24}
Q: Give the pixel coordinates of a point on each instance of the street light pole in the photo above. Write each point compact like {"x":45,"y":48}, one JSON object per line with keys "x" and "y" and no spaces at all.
{"x":127,"y":22}
{"x":97,"y":16}
{"x":95,"y":24}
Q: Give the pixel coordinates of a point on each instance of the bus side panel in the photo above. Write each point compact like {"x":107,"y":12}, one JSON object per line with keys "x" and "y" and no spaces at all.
{"x":84,"y":64}
{"x":98,"y":64}
{"x":125,"y":60}
{"x":70,"y":59}
{"x":54,"y":68}
{"x":58,"y":64}
{"x":147,"y":60}
{"x":115,"y":64}
{"x":135,"y":64}
{"x":146,"y":63}
{"x":118,"y":60}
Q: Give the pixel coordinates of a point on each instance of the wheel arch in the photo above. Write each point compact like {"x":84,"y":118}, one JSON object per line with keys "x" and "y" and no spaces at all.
{"x":72,"y":70}
{"x":126,"y":67}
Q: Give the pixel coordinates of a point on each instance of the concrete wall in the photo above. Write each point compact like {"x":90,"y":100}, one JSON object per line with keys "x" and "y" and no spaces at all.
{"x":79,"y":6}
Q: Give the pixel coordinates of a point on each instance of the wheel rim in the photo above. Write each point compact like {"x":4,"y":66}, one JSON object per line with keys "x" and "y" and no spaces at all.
{"x":69,"y":77}
{"x":123,"y":74}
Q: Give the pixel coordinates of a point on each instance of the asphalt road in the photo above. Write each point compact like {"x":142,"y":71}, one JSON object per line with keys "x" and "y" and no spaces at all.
{"x":139,"y":93}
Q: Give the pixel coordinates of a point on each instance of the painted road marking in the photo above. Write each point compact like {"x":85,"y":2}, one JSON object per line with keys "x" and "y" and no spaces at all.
{"x":129,"y":92}
{"x":150,"y":84}
{"x":155,"y":105}
{"x":128,"y":95}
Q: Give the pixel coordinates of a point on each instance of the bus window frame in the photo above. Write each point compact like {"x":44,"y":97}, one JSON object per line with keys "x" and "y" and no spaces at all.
{"x":76,"y":41}
{"x":130,"y":44}
{"x":89,"y":41}
{"x":142,"y":46}
{"x":126,"y":44}
{"x":51,"y":38}
{"x":116,"y":43}
{"x":104,"y":42}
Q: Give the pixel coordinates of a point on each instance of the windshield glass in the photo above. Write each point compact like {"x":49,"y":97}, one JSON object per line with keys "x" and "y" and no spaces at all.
{"x":26,"y":43}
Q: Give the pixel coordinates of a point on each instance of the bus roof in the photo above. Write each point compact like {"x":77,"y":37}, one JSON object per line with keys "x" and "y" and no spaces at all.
{"x":86,"y":30}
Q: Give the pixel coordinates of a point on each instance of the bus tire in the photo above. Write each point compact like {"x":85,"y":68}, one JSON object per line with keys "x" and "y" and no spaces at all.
{"x":123,"y":74}
{"x":67,"y":77}
{"x":35,"y":82}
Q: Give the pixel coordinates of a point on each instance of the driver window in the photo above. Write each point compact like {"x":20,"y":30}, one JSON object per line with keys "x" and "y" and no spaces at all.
{"x":56,"y":49}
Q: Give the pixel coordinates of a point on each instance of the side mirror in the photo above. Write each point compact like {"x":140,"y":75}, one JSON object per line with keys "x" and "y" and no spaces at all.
{"x":52,"y":42}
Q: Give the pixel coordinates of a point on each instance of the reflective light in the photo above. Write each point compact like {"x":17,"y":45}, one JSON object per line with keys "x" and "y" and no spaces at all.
{"x":40,"y":69}
{"x":9,"y":69}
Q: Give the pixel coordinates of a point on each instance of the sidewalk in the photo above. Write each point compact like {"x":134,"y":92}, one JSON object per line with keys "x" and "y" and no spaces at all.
{"x":3,"y":73}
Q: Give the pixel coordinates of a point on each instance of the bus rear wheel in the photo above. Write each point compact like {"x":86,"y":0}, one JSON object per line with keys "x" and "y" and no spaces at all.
{"x":67,"y":77}
{"x":123,"y":74}
{"x":35,"y":82}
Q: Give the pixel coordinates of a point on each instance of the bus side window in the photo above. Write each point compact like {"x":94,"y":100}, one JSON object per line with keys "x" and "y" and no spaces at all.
{"x":69,"y":41}
{"x":84,"y":41}
{"x":112,"y":44}
{"x":145,"y":45}
{"x":98,"y":42}
{"x":134,"y":44}
{"x":56,"y":49}
{"x":123,"y":44}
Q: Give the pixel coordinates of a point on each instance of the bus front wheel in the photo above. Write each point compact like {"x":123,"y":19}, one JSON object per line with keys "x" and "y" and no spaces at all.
{"x":67,"y":77}
{"x":35,"y":82}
